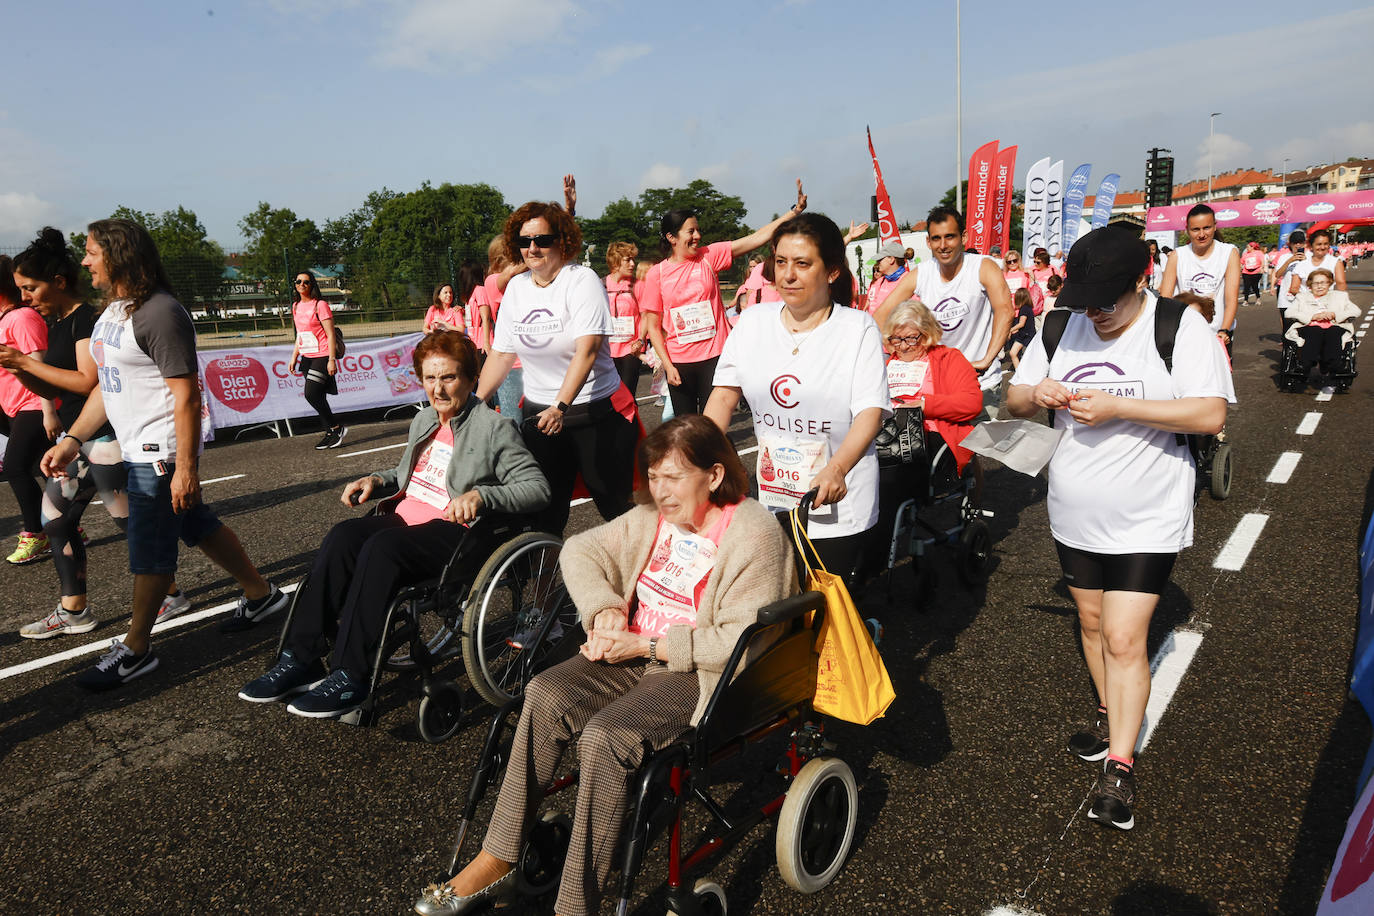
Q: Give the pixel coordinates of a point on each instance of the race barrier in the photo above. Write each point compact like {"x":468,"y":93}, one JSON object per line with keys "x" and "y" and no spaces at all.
{"x":1349,"y":888}
{"x":1271,"y":211}
{"x":253,"y":386}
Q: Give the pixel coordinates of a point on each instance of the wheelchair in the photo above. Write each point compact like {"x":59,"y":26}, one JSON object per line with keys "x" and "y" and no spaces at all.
{"x":1293,"y":377}
{"x":934,"y":480}
{"x":499,"y":602}
{"x":1214,"y":460}
{"x":816,"y":810}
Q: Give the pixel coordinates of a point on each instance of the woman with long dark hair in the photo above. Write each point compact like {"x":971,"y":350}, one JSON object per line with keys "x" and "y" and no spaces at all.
{"x":315,"y":350}
{"x":444,"y":314}
{"x":684,"y":317}
{"x":26,"y":416}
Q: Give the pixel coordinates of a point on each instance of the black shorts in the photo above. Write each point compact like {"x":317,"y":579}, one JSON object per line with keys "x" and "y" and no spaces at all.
{"x":1116,"y":572}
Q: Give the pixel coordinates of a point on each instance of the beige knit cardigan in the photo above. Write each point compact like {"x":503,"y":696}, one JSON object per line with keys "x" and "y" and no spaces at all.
{"x":754,"y":567}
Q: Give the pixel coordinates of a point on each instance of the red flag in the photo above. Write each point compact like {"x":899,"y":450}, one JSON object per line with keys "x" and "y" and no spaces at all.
{"x":980,"y":194}
{"x":1004,"y":177}
{"x":887,"y":222}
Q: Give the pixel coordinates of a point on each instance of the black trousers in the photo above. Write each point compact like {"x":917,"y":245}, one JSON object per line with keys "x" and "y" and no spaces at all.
{"x":1250,"y":285}
{"x":360,"y":566}
{"x":25,"y":448}
{"x":629,"y":367}
{"x":698,"y":380}
{"x":1320,"y":345}
{"x":596,"y":442}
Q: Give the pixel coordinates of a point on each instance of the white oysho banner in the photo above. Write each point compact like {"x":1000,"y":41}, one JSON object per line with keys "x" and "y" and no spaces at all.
{"x":255,"y":384}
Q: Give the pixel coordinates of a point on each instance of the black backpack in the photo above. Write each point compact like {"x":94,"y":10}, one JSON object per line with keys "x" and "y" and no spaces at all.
{"x":1168,"y":316}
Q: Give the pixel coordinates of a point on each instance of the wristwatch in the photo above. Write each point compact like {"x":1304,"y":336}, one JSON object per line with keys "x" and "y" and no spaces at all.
{"x":653,"y":650}
{"x":562,"y":407}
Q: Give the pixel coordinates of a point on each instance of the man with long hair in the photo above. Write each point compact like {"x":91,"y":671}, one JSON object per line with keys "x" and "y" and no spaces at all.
{"x":144,"y":346}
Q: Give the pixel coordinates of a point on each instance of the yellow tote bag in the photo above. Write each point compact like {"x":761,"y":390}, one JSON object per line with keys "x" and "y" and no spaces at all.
{"x":851,"y":680}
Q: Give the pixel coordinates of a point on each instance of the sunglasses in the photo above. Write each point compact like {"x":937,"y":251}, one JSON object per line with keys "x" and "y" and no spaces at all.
{"x":905,"y":341}
{"x":302,"y":282}
{"x":1104,"y":309}
{"x":543,"y":241}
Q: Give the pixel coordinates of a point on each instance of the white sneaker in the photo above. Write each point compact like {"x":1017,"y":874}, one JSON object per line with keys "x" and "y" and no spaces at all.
{"x":173,"y":605}
{"x":58,"y":622}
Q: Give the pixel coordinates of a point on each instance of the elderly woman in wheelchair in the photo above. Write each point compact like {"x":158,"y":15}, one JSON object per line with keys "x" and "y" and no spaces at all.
{"x":460,"y":460}
{"x":1321,"y":333}
{"x":664,"y":592}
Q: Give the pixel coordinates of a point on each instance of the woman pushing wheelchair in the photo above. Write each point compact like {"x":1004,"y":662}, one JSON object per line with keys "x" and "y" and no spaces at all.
{"x":664,"y":592}
{"x":460,"y":459}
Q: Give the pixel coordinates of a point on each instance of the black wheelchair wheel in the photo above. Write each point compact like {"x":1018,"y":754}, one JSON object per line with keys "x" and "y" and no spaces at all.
{"x":1220,"y":484}
{"x":709,"y":897}
{"x":816,"y":824}
{"x":975,"y":552}
{"x":441,"y":711}
{"x":512,"y":598}
{"x":541,"y":858}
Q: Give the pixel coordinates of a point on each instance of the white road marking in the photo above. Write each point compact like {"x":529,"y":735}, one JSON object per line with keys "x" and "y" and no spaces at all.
{"x":369,"y":451}
{"x":1284,"y":467}
{"x":1308,"y":426}
{"x":1325,"y":394}
{"x":1238,"y":546}
{"x":104,"y":643}
{"x":1166,"y":673}
{"x":652,"y":397}
{"x":749,"y":451}
{"x":1010,"y":911}
{"x":101,"y":502}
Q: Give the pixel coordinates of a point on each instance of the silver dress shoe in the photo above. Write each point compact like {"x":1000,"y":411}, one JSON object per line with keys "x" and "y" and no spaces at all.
{"x":440,"y":900}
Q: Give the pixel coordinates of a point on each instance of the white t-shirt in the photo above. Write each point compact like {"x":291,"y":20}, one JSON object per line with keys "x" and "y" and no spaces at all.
{"x":1303,"y":269}
{"x":1205,"y":276}
{"x":809,"y":400}
{"x":134,"y":355}
{"x":1122,"y":487}
{"x":541,"y":326}
{"x":962,"y":308}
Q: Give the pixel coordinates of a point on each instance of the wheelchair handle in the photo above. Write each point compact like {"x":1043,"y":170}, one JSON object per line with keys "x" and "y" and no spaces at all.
{"x":790,"y":608}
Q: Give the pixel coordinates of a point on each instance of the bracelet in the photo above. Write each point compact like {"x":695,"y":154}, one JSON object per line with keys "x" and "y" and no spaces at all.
{"x":79,"y":443}
{"x":653,"y":650}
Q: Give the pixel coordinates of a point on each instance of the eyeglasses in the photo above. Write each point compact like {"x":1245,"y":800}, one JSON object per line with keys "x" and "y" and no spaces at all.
{"x":1104,"y":309}
{"x":543,"y":241}
{"x":302,"y":282}
{"x":905,"y":341}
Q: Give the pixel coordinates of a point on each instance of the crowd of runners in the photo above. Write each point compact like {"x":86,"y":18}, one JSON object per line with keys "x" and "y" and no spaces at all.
{"x":530,"y":369}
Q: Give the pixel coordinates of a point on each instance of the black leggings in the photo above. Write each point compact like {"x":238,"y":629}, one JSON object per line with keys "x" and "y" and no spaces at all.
{"x":697,"y":381}
{"x":1321,"y":345}
{"x":318,"y":384}
{"x":597,"y":443}
{"x":840,"y":555}
{"x":1116,"y":572}
{"x":98,"y":467}
{"x":1250,"y":285}
{"x":629,"y":367}
{"x":27,"y":443}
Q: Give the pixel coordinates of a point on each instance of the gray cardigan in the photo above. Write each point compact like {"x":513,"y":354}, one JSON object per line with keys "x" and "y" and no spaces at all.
{"x":488,"y":456}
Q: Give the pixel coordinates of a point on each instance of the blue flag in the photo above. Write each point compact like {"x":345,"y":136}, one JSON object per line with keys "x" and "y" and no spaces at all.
{"x":1073,"y":202}
{"x":1106,"y":197}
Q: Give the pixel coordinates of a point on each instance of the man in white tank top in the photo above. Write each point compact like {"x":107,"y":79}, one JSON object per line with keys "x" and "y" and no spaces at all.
{"x":968,"y":295}
{"x":1208,"y":268}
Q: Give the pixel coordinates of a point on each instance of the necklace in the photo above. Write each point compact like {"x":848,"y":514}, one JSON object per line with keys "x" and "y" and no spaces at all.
{"x":796,"y":344}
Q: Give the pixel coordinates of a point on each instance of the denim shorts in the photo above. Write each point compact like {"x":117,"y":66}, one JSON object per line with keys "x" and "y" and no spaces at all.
{"x":154,"y":527}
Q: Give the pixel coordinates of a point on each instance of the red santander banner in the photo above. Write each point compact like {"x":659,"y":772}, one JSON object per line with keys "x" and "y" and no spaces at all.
{"x":981,"y":190}
{"x":887,"y":220}
{"x":1003,"y":178}
{"x":255,"y":385}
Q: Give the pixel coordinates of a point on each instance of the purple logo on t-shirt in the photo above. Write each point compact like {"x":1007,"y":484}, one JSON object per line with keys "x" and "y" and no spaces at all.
{"x":1203,"y":283}
{"x":950,"y":312}
{"x":1104,"y":376}
{"x":537,"y":328}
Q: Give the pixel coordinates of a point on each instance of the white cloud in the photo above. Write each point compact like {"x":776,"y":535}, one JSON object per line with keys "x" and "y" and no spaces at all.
{"x":1332,"y":144}
{"x":714,"y":172}
{"x":21,"y":215}
{"x":469,"y":34}
{"x":1223,"y":149}
{"x":609,"y":60}
{"x":661,"y":175}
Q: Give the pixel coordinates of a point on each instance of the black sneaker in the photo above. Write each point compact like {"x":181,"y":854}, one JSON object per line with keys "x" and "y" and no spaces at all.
{"x":248,"y":613}
{"x":117,"y":667}
{"x":337,"y":695}
{"x":1091,"y":743}
{"x":326,"y":441}
{"x":287,"y":678}
{"x":1113,"y":796}
{"x":338,"y":433}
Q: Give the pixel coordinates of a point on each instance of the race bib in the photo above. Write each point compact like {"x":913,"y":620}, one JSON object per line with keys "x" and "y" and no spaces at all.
{"x":671,"y":584}
{"x":694,"y":322}
{"x":426,"y":482}
{"x":622,"y":329}
{"x":904,"y":380}
{"x":307,"y":343}
{"x":785,"y":468}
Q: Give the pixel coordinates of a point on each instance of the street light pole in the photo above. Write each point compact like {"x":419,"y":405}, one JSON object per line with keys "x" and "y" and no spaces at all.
{"x":1285,"y":176}
{"x":1211,"y":135}
{"x":958,"y":114}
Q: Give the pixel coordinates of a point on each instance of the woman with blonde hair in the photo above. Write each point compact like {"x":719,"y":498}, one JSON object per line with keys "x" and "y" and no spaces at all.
{"x":627,"y":338}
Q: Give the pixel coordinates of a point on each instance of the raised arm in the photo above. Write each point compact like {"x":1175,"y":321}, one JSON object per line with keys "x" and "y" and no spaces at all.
{"x":760,"y":236}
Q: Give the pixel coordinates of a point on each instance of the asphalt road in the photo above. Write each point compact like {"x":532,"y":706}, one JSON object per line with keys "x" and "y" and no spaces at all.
{"x":174,"y":796}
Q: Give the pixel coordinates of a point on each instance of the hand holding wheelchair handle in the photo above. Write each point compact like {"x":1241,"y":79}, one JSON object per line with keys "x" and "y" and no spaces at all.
{"x":828,"y":485}
{"x":359,"y":491}
{"x":464,"y":509}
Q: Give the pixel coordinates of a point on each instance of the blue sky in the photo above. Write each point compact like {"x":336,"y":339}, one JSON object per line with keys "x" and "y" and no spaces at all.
{"x":311,"y":104}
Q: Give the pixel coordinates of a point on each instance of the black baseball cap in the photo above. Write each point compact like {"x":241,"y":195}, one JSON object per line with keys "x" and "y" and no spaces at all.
{"x":1102,"y":267}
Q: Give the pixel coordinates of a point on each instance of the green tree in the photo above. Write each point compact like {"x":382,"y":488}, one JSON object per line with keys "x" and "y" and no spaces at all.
{"x":1259,"y":193}
{"x":720,"y":216}
{"x":194,"y":264}
{"x":279,"y":243}
{"x":622,"y":220}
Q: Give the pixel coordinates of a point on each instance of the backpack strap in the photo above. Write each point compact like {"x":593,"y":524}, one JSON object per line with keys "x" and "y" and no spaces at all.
{"x":1052,"y":331}
{"x":1168,"y":316}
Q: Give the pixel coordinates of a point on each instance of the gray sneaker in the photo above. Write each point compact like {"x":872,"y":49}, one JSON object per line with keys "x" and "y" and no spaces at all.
{"x":58,"y":622}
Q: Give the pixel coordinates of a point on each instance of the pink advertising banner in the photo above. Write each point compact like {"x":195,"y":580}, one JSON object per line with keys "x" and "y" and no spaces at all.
{"x":254,"y":385}
{"x":1271,"y":211}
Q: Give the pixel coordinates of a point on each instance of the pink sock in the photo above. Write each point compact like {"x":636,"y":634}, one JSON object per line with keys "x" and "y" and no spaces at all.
{"x":1128,"y":764}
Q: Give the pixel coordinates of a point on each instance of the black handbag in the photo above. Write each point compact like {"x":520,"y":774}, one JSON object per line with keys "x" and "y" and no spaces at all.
{"x":902,"y":438}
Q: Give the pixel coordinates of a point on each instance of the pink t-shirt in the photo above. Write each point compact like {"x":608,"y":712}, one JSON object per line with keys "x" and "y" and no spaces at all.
{"x":760,"y":290}
{"x":671,"y":584}
{"x":311,"y":339}
{"x":451,"y":316}
{"x":23,"y":329}
{"x":686,"y":296}
{"x":879,"y":290}
{"x":426,"y":495}
{"x":1017,"y":279}
{"x":624,"y":315}
{"x":474,"y":316}
{"x":494,"y":297}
